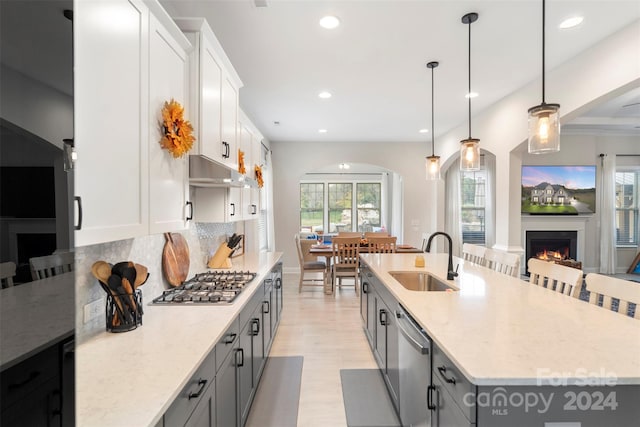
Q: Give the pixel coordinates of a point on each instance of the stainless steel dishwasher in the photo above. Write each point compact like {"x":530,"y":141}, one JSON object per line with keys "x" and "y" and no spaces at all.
{"x":414,"y":348}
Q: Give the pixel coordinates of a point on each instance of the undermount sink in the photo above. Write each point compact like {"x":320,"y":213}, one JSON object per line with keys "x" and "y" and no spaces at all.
{"x":422,"y":282}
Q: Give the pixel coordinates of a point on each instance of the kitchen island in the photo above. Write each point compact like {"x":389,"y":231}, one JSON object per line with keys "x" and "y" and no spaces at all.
{"x":505,"y":339}
{"x":133,"y":378}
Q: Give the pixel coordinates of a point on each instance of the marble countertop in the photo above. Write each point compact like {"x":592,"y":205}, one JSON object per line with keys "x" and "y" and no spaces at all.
{"x":131,"y":378}
{"x":500,"y":330}
{"x":35,"y":315}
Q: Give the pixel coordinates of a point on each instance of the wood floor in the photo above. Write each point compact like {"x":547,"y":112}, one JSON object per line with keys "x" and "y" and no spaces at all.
{"x":327,"y":332}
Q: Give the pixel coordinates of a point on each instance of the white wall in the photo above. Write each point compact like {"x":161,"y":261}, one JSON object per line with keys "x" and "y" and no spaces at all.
{"x":291,"y":160}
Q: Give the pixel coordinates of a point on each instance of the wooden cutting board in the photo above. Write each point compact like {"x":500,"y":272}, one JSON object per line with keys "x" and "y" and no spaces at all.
{"x":175,"y":258}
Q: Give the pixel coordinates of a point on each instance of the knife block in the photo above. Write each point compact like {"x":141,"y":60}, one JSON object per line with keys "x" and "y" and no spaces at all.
{"x":221,"y":258}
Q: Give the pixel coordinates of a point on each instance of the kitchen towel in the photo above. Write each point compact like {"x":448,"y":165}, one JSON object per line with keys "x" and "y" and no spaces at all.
{"x":277,"y":409}
{"x":366,"y":401}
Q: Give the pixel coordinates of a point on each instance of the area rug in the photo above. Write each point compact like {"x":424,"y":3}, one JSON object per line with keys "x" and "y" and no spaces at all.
{"x":366,"y":401}
{"x":276,"y":401}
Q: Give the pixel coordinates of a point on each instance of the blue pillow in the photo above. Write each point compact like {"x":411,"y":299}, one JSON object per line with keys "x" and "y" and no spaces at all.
{"x":637,"y":269}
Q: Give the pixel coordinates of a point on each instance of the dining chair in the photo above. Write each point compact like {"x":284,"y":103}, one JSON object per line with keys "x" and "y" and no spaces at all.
{"x":473,"y":253}
{"x":349,"y":234}
{"x":609,"y":287}
{"x":51,"y":265}
{"x":559,"y":278}
{"x":382,"y":244}
{"x":369,"y":234}
{"x":7,"y":272}
{"x":503,"y":262}
{"x":346,"y":257}
{"x":309,"y":264}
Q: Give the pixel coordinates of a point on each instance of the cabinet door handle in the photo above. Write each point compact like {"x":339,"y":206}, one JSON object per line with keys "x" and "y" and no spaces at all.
{"x":233,"y":211}
{"x":443,"y":374}
{"x":190,"y":216}
{"x":430,"y":404}
{"x":202,"y":383}
{"x":383,"y":313}
{"x":225,"y":155}
{"x":255,"y":330}
{"x":240,"y":351}
{"x":254,"y":209}
{"x":230,"y":339}
{"x":32,"y":376}
{"x":266,"y":304}
{"x":78,"y":200}
{"x":365,"y":288}
{"x":278,"y":283}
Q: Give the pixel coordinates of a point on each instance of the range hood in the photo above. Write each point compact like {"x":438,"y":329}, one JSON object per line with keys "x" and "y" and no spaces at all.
{"x":204,"y":172}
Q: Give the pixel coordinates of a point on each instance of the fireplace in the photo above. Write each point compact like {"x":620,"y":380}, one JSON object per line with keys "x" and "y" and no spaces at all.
{"x":552,"y":245}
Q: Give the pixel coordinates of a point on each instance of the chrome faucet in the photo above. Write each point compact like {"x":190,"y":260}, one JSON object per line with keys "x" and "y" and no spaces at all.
{"x":450,"y":273}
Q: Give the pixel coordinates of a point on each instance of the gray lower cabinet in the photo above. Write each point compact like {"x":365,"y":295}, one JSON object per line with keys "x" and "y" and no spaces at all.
{"x":447,"y":412}
{"x":204,"y":414}
{"x":244,"y":371}
{"x":225,"y":393}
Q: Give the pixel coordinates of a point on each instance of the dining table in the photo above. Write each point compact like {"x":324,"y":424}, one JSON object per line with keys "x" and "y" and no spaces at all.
{"x":326,"y":251}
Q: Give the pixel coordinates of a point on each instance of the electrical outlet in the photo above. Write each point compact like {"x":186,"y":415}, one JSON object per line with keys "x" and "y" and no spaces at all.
{"x":94,"y":309}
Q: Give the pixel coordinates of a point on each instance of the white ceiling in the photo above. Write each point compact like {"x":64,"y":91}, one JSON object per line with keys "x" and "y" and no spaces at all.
{"x":374,"y":63}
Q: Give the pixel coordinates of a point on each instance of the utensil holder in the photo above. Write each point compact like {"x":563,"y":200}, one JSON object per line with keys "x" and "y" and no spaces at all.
{"x":221,"y":258}
{"x":120,"y":317}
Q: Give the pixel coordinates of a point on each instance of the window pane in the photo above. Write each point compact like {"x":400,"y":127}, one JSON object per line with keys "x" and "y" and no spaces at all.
{"x":311,"y":206}
{"x":627,"y":208}
{"x":473,"y":198}
{"x":368,"y":199}
{"x":340,"y":195}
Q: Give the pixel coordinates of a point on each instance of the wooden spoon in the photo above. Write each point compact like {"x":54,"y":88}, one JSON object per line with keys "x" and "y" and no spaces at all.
{"x":142,"y":275}
{"x":101,"y":270}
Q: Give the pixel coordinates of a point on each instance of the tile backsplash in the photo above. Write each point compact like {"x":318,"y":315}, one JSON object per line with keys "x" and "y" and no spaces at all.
{"x":203,"y":240}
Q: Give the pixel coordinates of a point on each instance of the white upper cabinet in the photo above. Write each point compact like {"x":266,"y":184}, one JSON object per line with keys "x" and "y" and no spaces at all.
{"x":168,"y":176}
{"x":110,"y":130}
{"x":117,"y":93}
{"x":214,"y":94}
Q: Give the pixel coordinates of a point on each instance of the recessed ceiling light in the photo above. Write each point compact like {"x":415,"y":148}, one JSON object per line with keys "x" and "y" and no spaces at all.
{"x":324,"y":95}
{"x":329,"y":22}
{"x":423,"y":130}
{"x":322,"y":131}
{"x":570,"y":22}
{"x":471,"y":95}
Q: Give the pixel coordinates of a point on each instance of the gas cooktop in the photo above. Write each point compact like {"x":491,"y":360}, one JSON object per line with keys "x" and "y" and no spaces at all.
{"x":211,"y":287}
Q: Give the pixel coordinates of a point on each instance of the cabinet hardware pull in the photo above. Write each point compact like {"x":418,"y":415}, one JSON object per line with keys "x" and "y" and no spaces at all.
{"x":443,"y":373}
{"x":254,"y":209}
{"x":32,"y":376}
{"x":190,"y":216}
{"x":365,"y":288}
{"x":197,"y":394}
{"x":241,"y":352}
{"x":255,"y":322}
{"x":430,"y":405}
{"x":230,"y":339}
{"x":225,"y":155}
{"x":266,"y":304}
{"x":78,"y":199}
{"x":233,"y":212}
{"x":383,"y":312}
{"x":278,"y":283}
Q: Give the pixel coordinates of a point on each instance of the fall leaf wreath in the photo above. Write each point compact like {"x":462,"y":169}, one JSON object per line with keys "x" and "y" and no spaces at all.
{"x":258,"y":171}
{"x":177,"y":133}
{"x":241,"y":168}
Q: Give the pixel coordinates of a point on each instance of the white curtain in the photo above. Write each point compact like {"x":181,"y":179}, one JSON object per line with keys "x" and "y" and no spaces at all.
{"x":490,"y":201}
{"x":268,"y":202}
{"x":607,"y":215}
{"x":453,"y":223}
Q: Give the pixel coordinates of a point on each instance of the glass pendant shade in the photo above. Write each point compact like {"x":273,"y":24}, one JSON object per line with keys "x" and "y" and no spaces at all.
{"x":544,"y":129}
{"x":470,"y":154}
{"x":433,"y":168}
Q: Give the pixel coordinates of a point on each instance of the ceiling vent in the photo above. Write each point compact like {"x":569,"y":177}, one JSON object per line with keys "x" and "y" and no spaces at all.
{"x":260,"y":3}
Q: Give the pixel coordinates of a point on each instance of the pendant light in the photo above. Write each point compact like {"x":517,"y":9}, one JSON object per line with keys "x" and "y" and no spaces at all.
{"x":470,"y":148}
{"x":544,"y":119}
{"x":433,"y":161}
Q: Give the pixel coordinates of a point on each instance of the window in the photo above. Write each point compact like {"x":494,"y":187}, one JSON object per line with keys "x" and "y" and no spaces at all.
{"x":627,"y":187}
{"x":311,"y":206}
{"x":341,"y":208}
{"x":473,"y":199}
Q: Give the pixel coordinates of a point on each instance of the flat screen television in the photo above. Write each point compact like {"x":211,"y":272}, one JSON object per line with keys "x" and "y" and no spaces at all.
{"x":558,"y":190}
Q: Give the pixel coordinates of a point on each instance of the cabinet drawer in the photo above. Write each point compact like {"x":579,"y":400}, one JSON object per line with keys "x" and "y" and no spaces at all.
{"x":191,"y":394}
{"x":28,"y":375}
{"x":227,"y":342}
{"x":247,"y":310}
{"x":448,"y":414}
{"x":453,"y":381}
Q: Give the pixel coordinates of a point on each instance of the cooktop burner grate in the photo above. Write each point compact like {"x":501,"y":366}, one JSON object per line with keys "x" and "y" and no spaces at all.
{"x":211,"y":287}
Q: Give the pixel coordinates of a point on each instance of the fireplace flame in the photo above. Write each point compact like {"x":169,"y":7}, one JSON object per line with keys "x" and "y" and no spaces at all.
{"x":548,"y":255}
